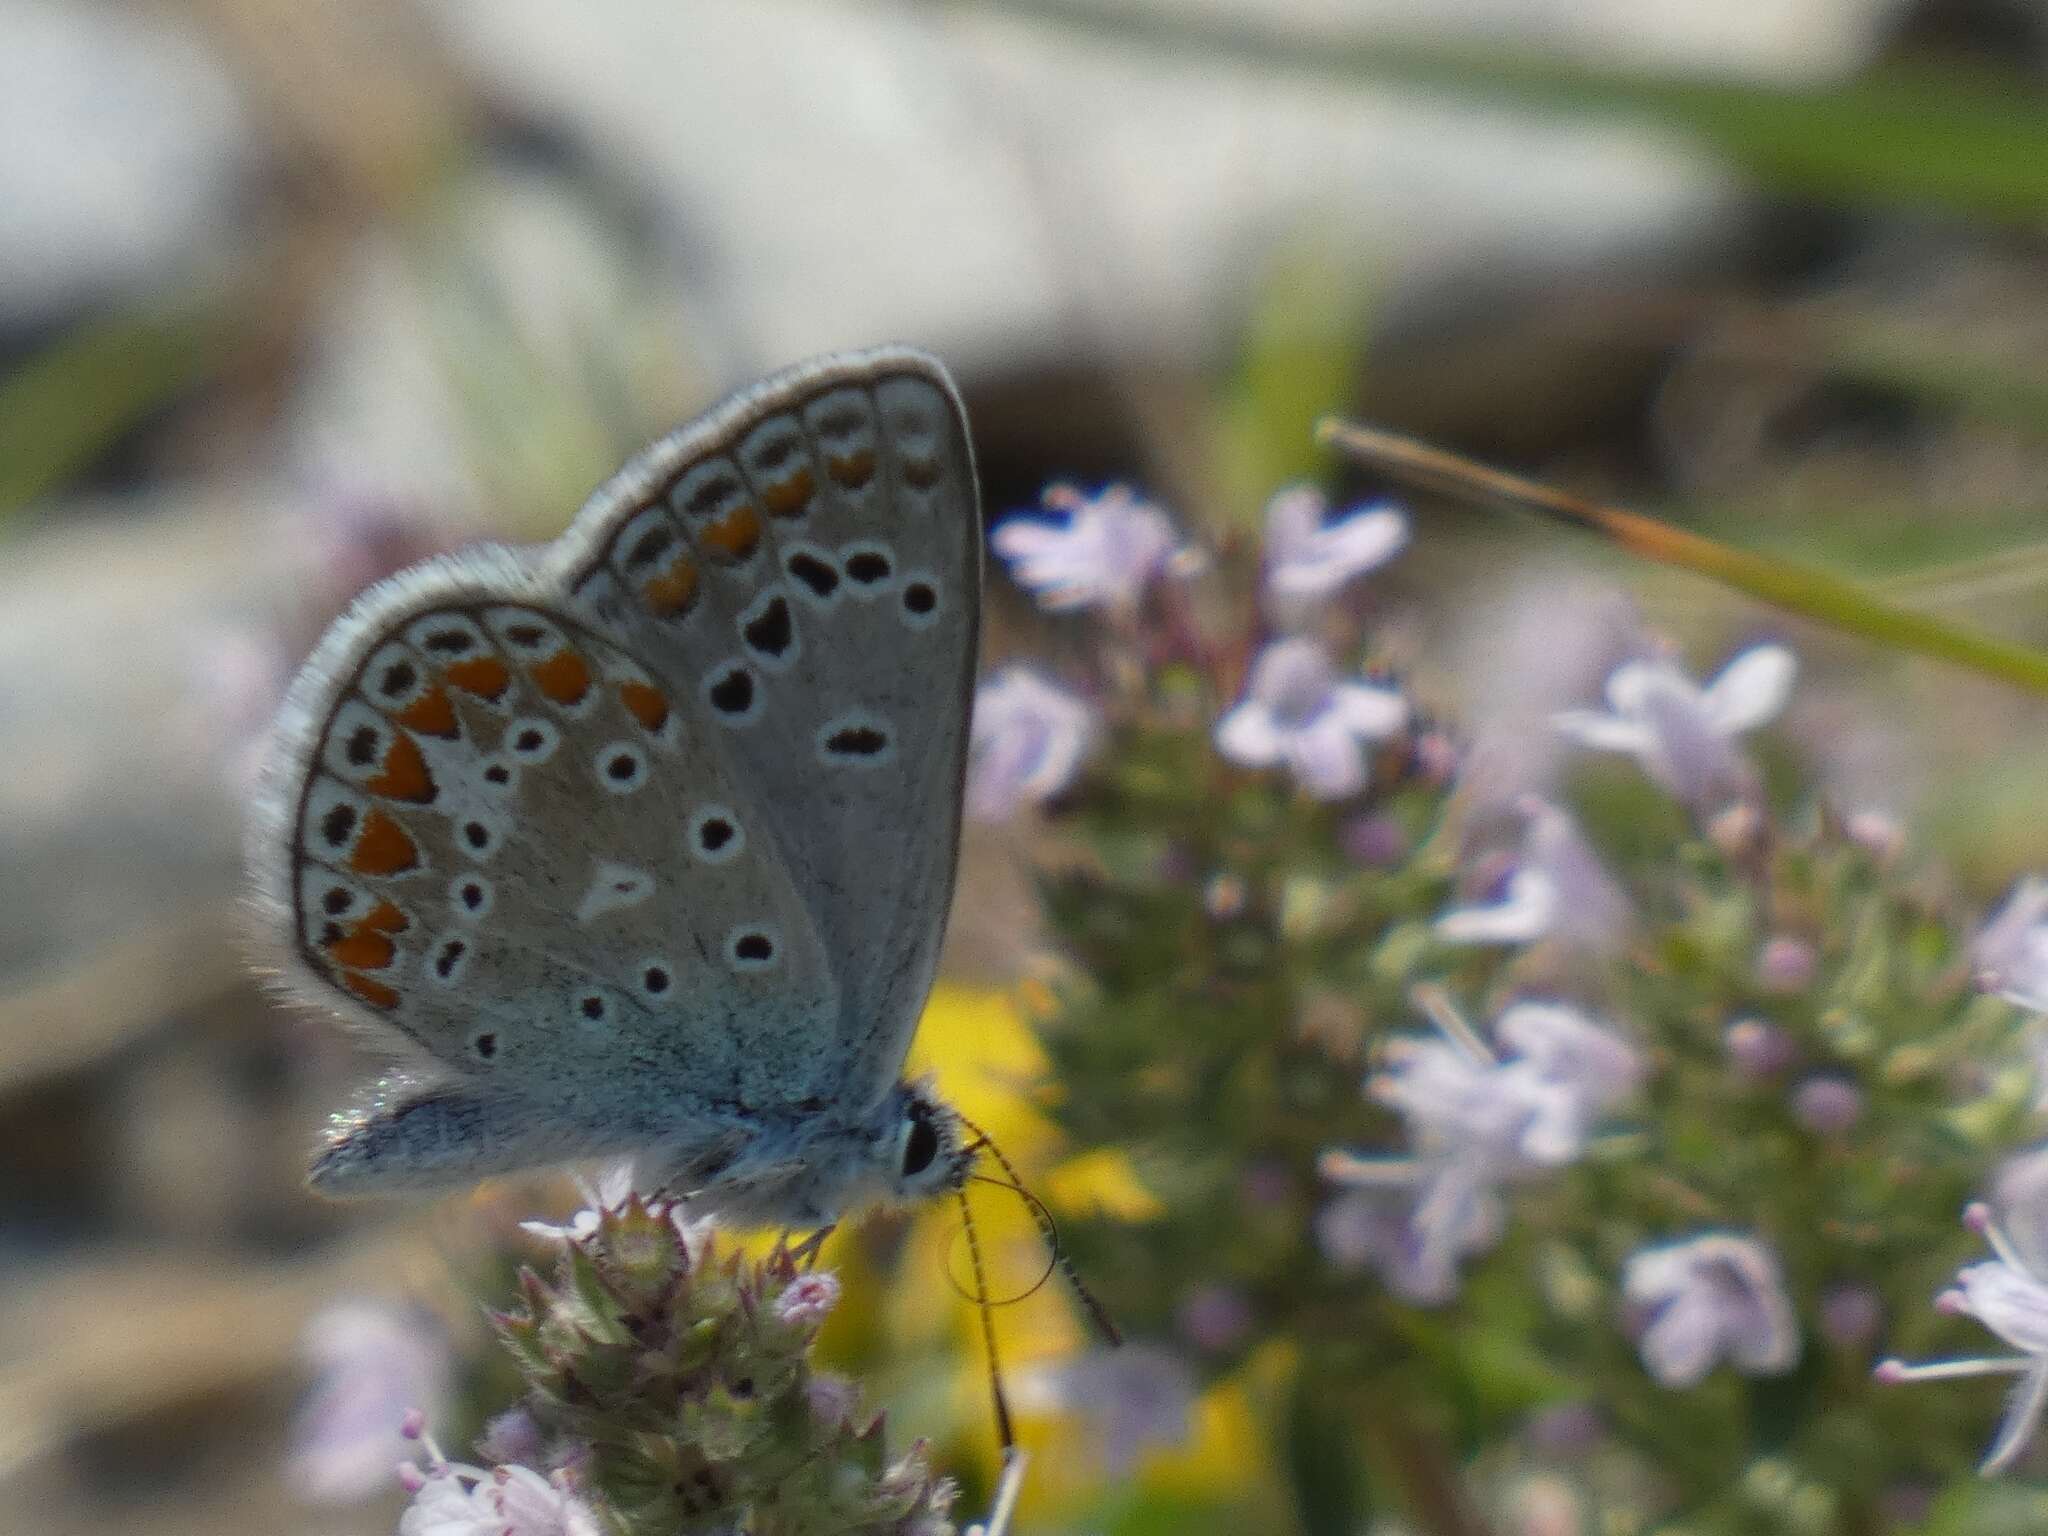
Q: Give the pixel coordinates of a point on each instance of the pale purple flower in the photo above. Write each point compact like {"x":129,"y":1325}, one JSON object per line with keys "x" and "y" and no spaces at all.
{"x":1309,"y":558}
{"x":373,"y":1365}
{"x":2011,"y":950}
{"x":450,"y":1499}
{"x":1476,"y":1120}
{"x":1713,"y":1297}
{"x":1414,"y":1221}
{"x":1028,"y":740}
{"x":806,"y":1299}
{"x":2008,"y":1294}
{"x":1378,"y":841}
{"x":1827,"y":1106}
{"x":1557,"y":888}
{"x":1133,"y":1399}
{"x":1296,"y":711}
{"x":1681,"y":733}
{"x":1758,"y":1050}
{"x":1786,"y":964}
{"x":1532,"y":1108}
{"x":1105,"y":552}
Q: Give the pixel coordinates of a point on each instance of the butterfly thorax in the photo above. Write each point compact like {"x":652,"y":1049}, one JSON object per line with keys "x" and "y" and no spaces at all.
{"x":811,"y":1168}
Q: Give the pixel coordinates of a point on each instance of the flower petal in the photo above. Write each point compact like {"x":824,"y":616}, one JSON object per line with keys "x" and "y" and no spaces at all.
{"x":1294,"y":516}
{"x":1751,"y":689}
{"x":2011,"y":1304}
{"x":1250,"y":735}
{"x":1629,"y":684}
{"x":1607,"y":733}
{"x":2022,"y":1419}
{"x":1525,"y":913}
{"x":1681,"y":1346}
{"x":1326,"y":758}
{"x":1364,"y":539}
{"x":1369,"y":712}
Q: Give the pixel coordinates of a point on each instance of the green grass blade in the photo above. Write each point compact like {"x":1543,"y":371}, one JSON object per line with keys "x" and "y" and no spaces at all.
{"x":1800,"y":589}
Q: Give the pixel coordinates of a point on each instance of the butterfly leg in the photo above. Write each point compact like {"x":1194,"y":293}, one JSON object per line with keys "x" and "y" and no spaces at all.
{"x":440,"y":1137}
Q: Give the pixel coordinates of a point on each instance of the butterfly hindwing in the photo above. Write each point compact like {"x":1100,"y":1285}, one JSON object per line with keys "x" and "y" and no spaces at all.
{"x":494,"y":831}
{"x":808,"y":560}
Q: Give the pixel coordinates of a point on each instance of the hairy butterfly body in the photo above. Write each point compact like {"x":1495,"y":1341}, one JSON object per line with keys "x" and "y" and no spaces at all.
{"x":642,"y":842}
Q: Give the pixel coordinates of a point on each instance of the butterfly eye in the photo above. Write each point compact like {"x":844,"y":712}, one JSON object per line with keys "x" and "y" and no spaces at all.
{"x":920,"y":1146}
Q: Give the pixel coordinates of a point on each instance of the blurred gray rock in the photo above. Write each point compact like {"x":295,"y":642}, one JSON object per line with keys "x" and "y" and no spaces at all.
{"x":830,"y":174}
{"x":123,"y":147}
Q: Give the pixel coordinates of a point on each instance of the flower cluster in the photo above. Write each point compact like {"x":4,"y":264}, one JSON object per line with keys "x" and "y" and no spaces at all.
{"x":668,"y":1389}
{"x":1728,"y":1029}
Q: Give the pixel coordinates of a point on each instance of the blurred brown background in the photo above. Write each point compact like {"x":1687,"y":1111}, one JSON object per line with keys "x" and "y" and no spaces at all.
{"x":293,"y":293}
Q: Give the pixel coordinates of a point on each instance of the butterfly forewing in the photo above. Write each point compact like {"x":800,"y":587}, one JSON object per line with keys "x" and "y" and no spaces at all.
{"x":514,"y":846}
{"x":808,"y":561}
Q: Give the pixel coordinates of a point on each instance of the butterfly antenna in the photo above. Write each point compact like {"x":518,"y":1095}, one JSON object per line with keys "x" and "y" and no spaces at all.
{"x":1004,"y":1433}
{"x":1050,"y":1232}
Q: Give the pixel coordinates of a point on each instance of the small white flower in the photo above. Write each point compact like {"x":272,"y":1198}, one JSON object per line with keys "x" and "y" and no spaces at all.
{"x":612,"y":1189}
{"x":456,"y":1500}
{"x":2009,"y":1295}
{"x":2011,"y":951}
{"x":1557,"y":887}
{"x":614,"y":1186}
{"x":1681,"y":733}
{"x":1309,"y":559}
{"x":1713,"y":1297}
{"x":1028,"y":740}
{"x":1105,"y":552}
{"x":373,"y":1365}
{"x":1296,"y":711}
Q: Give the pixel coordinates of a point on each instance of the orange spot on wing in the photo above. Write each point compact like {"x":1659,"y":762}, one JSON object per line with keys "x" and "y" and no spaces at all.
{"x":645,"y":704}
{"x":673,"y":591}
{"x":563,"y":677}
{"x":923,"y":473}
{"x":485,"y":676}
{"x":791,"y":497}
{"x":370,"y":990}
{"x":384,"y":918}
{"x":735,"y":535}
{"x":362,"y":948}
{"x":405,"y":775}
{"x":852,"y":470}
{"x":432,"y":713}
{"x":382,"y":848}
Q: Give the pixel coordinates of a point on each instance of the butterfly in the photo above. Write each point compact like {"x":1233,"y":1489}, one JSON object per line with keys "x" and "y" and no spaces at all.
{"x":641,"y":843}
